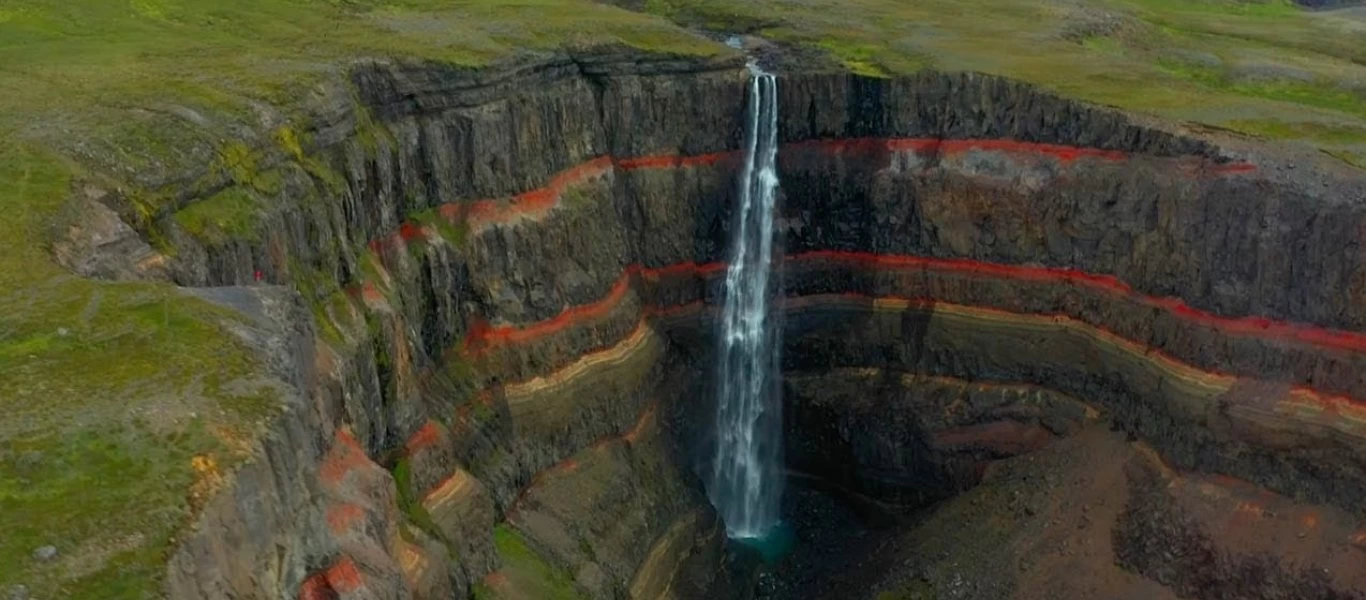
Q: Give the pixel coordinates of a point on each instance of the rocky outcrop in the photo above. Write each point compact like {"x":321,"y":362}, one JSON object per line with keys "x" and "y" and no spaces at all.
{"x":509,"y":273}
{"x":1210,"y":538}
{"x":96,"y":243}
{"x":1095,"y":516}
{"x":1327,"y":4}
{"x":912,"y":440}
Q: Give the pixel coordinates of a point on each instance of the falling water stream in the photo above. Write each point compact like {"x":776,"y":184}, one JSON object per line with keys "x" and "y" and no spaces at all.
{"x":746,"y":485}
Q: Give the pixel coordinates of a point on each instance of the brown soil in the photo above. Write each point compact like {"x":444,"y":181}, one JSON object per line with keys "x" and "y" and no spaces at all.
{"x":1094,"y":515}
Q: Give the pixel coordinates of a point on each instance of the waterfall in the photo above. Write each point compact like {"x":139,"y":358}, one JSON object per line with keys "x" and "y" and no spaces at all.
{"x":746,"y":481}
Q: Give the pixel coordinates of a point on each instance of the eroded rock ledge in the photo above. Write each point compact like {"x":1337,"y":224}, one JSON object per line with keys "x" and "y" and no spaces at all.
{"x":510,"y":274}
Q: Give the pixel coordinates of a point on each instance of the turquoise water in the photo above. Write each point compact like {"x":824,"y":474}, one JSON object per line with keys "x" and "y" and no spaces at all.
{"x":772,"y":546}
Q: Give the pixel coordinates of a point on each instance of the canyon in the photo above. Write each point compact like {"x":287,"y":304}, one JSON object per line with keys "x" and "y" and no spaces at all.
{"x":492,"y":298}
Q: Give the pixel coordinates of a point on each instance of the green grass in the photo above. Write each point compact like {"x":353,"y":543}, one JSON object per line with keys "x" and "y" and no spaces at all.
{"x":528,"y":575}
{"x":861,"y":58}
{"x":1327,"y":133}
{"x":230,"y":214}
{"x":1320,"y":94}
{"x":453,"y":233}
{"x":87,"y":59}
{"x":110,"y":391}
{"x":483,"y":414}
{"x":411,"y":505}
{"x":331,"y":307}
{"x":1356,"y":159}
{"x":714,"y":15}
{"x":1103,"y":44}
{"x":1132,"y":54}
{"x":78,"y":471}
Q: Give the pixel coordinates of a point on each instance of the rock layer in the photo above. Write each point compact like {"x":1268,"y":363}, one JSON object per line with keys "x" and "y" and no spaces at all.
{"x":511,"y":271}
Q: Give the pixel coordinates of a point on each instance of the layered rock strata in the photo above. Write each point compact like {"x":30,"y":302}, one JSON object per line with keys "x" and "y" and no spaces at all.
{"x":527,"y":258}
{"x":429,"y":422}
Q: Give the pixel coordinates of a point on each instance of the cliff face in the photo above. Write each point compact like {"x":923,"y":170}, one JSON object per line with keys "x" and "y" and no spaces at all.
{"x":509,"y":274}
{"x":416,"y":228}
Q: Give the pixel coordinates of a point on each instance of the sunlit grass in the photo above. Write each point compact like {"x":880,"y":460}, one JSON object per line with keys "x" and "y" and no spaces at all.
{"x":525,"y":573}
{"x":1134,"y":54}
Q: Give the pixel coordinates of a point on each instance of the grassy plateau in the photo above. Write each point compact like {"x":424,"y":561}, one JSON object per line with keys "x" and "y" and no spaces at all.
{"x":126,"y":404}
{"x":1262,"y":68}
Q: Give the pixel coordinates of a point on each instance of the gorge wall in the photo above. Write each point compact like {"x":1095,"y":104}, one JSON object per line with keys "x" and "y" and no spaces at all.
{"x":506,"y":285}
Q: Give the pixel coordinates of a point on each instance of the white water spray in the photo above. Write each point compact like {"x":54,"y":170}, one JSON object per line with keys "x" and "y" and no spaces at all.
{"x":746,"y":485}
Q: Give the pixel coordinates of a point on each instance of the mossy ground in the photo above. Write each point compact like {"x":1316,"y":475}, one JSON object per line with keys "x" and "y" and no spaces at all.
{"x":411,"y":505}
{"x":525,"y":574}
{"x":230,"y":214}
{"x":124,"y":406}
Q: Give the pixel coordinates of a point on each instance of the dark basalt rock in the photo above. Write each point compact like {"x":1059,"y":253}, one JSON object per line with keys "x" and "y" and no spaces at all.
{"x":960,"y":106}
{"x":1170,"y":215}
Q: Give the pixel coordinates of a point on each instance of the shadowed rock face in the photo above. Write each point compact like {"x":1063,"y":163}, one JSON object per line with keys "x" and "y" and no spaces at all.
{"x":514,"y":273}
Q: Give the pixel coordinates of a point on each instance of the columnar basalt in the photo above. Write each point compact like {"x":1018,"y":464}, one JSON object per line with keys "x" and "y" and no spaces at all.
{"x":513,"y":276}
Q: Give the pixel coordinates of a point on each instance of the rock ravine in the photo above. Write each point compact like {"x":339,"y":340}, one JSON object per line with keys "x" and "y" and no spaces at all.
{"x":1053,"y":351}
